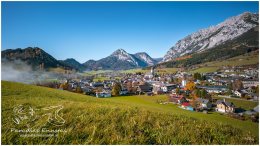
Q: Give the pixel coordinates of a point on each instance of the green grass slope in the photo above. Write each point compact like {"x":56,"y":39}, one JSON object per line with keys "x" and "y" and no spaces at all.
{"x":245,"y":59}
{"x":119,"y":120}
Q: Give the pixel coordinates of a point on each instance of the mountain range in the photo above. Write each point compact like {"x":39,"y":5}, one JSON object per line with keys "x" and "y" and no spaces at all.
{"x":232,"y":37}
{"x":35,"y":57}
{"x":213,"y":36}
{"x":120,"y":59}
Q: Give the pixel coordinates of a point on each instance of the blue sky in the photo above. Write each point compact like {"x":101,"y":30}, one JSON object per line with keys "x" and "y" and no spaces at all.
{"x":93,"y":30}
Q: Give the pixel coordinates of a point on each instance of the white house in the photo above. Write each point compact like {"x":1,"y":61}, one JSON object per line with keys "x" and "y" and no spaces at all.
{"x":183,"y":83}
{"x":168,"y":87}
{"x":103,"y":94}
{"x":238,"y":93}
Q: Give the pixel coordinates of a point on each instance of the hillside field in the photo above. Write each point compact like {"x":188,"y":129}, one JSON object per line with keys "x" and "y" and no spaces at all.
{"x":116,"y":120}
{"x":246,"y":59}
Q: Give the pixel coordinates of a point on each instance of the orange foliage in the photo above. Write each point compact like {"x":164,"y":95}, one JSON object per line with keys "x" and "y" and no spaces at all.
{"x":190,"y":86}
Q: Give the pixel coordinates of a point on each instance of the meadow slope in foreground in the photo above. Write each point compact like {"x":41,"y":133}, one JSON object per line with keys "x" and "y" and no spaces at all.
{"x":118,"y":120}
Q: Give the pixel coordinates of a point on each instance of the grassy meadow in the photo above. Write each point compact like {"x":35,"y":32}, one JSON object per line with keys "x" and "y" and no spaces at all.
{"x":119,"y":120}
{"x":246,"y":59}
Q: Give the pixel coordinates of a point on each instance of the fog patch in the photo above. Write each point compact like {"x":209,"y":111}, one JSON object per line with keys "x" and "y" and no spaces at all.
{"x":19,"y":71}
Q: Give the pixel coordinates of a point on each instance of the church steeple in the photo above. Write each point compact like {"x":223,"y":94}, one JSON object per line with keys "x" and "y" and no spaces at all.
{"x":152,"y":70}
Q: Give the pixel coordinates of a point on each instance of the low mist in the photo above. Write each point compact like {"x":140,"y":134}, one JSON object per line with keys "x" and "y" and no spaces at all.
{"x":18,"y":71}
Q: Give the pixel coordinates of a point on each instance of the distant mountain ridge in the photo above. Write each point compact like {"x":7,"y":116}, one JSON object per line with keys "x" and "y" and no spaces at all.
{"x":213,"y":36}
{"x":38,"y":58}
{"x":73,"y":64}
{"x":121,"y":60}
{"x":35,"y":57}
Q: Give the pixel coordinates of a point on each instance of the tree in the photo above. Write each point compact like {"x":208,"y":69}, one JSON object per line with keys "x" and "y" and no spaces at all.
{"x":190,"y":86}
{"x":78,"y":90}
{"x":197,"y":76}
{"x":203,"y":93}
{"x":177,"y":91}
{"x":230,"y":86}
{"x":116,"y":89}
{"x":129,"y":86}
{"x":64,"y":86}
{"x":237,"y":85}
{"x":229,"y":92}
{"x":196,"y":93}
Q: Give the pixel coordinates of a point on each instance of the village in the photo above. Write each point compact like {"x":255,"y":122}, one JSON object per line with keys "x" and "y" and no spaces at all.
{"x":193,"y":92}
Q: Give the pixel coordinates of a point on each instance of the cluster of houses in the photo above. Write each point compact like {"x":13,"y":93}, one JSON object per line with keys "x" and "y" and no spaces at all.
{"x":205,"y":105}
{"x":152,"y":83}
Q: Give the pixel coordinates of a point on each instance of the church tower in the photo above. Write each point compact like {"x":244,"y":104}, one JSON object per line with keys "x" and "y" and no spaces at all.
{"x":152,"y":70}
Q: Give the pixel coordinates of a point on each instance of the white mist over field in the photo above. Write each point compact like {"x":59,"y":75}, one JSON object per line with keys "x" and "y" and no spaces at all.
{"x":18,"y":71}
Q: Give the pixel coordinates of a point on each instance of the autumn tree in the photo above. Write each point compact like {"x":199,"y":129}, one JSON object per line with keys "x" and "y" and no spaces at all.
{"x":64,"y":86}
{"x":196,"y":94}
{"x":190,"y":86}
{"x":237,"y":85}
{"x":116,"y":89}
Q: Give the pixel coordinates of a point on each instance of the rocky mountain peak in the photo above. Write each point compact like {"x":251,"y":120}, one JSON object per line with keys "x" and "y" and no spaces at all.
{"x":208,"y":38}
{"x":119,"y":51}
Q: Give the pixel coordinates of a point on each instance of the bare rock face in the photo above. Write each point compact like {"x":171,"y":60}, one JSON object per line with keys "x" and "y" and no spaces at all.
{"x":213,"y":36}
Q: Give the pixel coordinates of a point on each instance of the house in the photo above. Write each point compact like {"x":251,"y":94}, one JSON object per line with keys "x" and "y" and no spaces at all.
{"x":183,"y":83}
{"x":86,"y":89}
{"x":239,"y":93}
{"x":168,"y":87}
{"x":250,"y":83}
{"x":123,"y":92}
{"x":149,"y":75}
{"x":187,"y":106}
{"x":204,"y":103}
{"x":225,"y":106}
{"x":97,"y":84}
{"x":157,"y":88}
{"x":178,"y":99}
{"x":213,"y":89}
{"x":103,"y":94}
{"x":144,"y":88}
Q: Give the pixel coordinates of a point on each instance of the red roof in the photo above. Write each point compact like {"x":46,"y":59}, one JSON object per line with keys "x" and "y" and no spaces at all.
{"x":186,"y":104}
